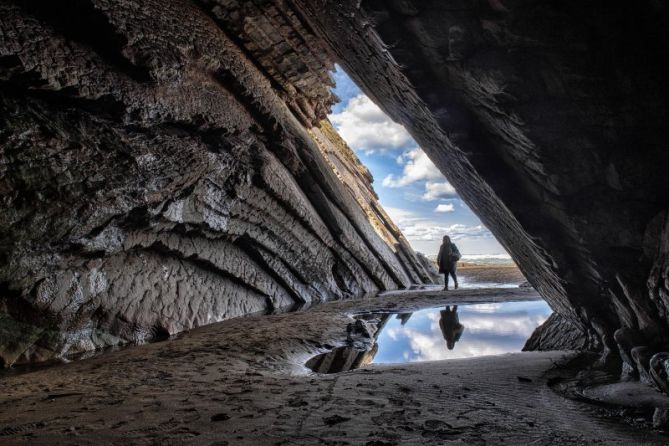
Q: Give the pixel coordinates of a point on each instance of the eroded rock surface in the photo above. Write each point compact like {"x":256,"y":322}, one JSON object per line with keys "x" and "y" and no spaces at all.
{"x":157,"y":173}
{"x":244,"y":382}
{"x":549,"y":118}
{"x":156,"y":151}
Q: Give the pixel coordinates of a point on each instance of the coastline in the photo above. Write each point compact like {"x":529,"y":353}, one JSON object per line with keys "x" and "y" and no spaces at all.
{"x":488,"y":270}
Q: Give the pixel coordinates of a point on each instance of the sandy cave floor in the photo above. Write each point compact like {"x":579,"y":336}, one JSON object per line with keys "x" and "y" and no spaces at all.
{"x":242,"y":382}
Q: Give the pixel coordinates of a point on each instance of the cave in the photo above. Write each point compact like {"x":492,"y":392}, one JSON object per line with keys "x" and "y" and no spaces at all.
{"x":168,"y":166}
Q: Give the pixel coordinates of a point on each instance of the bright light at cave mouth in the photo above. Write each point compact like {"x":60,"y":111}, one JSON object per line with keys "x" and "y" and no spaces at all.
{"x":416,"y":195}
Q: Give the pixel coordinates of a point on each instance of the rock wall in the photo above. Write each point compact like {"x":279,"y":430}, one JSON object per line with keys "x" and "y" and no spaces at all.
{"x":165,"y":164}
{"x":358,"y":180}
{"x":158,"y":171}
{"x":549,"y":118}
{"x":431,"y":267}
{"x":558,"y":333}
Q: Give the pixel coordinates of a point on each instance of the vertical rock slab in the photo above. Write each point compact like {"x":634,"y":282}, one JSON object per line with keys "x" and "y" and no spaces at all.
{"x":157,"y":173}
{"x":358,"y":180}
{"x":549,"y":118}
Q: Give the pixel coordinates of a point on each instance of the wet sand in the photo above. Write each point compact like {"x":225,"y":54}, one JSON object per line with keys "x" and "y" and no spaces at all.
{"x":243,"y":382}
{"x":502,"y":274}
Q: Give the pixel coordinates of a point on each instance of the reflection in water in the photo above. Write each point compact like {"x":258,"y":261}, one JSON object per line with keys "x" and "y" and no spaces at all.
{"x":492,"y":329}
{"x":342,"y":359}
{"x":360,"y":349}
{"x":450,"y":325}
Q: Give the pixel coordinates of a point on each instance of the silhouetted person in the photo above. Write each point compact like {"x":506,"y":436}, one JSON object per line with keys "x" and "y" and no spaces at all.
{"x":450,"y":326}
{"x":447,"y":260}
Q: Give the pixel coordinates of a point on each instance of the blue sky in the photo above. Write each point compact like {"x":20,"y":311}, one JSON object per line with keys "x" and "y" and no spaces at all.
{"x":412,"y":190}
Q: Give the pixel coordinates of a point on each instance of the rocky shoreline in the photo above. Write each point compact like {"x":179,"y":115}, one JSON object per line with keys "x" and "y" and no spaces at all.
{"x":244,"y":381}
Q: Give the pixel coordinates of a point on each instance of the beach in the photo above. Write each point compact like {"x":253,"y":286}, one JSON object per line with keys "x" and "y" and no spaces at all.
{"x":486,"y":271}
{"x":488,"y":275}
{"x":244,"y":382}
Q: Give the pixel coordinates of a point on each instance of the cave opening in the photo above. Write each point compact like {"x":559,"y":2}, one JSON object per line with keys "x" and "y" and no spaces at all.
{"x":209,"y":120}
{"x":412,"y":190}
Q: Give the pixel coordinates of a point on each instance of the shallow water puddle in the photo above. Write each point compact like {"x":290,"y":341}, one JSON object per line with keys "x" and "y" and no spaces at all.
{"x":449,"y":332}
{"x":461,"y":331}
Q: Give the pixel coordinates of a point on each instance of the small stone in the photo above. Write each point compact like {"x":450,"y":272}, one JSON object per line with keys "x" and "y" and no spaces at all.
{"x":661,"y":418}
{"x":659,"y":370}
{"x":627,"y":339}
{"x":220,"y":417}
{"x":334,"y":419}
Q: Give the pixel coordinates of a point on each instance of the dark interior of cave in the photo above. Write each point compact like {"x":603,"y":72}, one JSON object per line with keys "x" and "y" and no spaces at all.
{"x":191,"y":252}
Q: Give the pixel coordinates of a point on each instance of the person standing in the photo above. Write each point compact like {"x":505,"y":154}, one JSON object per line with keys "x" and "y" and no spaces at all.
{"x":447,"y":261}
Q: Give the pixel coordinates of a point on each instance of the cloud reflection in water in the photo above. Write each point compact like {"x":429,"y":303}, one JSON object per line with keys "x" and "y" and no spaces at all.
{"x":490,"y":329}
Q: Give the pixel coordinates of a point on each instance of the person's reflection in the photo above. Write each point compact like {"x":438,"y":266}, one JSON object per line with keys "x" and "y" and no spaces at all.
{"x":450,"y":326}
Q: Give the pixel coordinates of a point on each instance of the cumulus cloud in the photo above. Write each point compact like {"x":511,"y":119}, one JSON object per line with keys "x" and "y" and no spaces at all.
{"x":448,"y":207}
{"x":429,"y":345}
{"x":520,"y":325}
{"x":429,"y":232}
{"x":435,"y":191}
{"x":417,"y":228}
{"x":403,"y":217}
{"x":485,"y":308}
{"x":486,"y":332}
{"x":417,"y":167}
{"x":365,"y":127}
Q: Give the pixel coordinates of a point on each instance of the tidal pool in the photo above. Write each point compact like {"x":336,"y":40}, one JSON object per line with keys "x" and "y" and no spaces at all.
{"x":462,"y":332}
{"x":447,"y":332}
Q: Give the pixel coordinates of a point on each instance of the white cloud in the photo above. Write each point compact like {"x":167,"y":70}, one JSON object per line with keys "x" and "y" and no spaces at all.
{"x":486,"y":332}
{"x":448,"y":207}
{"x":417,"y":228}
{"x":364,"y":126}
{"x":403,"y":217}
{"x":428,"y":232}
{"x":417,"y":167}
{"x":485,"y":308}
{"x":435,"y":191}
{"x":521,"y":325}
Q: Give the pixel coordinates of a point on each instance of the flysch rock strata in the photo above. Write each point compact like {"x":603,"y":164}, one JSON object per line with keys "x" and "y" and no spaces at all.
{"x":166,"y":164}
{"x":160,"y":170}
{"x":549,"y":118}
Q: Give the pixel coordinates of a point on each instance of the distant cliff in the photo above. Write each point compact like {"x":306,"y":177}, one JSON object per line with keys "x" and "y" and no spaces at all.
{"x":358,"y":181}
{"x":161,"y":168}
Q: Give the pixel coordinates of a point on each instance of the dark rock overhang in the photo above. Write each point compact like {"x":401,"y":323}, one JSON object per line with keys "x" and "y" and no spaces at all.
{"x":139,"y":137}
{"x":550,"y":120}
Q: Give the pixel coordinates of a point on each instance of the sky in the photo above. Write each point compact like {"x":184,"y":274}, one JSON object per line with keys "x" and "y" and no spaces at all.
{"x":418,"y":198}
{"x":489,"y":329}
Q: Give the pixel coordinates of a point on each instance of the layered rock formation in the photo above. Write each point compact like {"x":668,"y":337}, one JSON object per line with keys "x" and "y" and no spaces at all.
{"x":358,"y":180}
{"x":360,"y":349}
{"x":158,"y":172}
{"x":549,"y":118}
{"x":160,"y":169}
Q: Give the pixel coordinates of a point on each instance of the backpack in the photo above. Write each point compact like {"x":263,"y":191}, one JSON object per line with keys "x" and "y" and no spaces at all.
{"x":455,"y":254}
